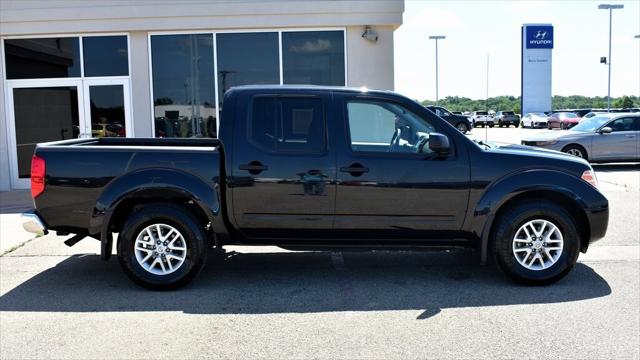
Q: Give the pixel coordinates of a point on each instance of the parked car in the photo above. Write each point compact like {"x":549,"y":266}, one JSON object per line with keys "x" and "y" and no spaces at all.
{"x":460,"y":122}
{"x":481,"y":118}
{"x":169,"y":200}
{"x":506,"y":118}
{"x":613,"y":137}
{"x":102,"y":130}
{"x":562,"y":120}
{"x":534,"y":120}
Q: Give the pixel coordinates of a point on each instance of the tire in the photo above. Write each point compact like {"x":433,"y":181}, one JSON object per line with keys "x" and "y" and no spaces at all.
{"x":192,"y":238}
{"x":490,"y":125}
{"x":576,"y":150}
{"x":500,"y":123}
{"x":558,"y":262}
{"x":462,"y":127}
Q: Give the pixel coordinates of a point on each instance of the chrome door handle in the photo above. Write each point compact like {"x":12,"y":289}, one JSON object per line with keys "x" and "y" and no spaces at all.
{"x":630,"y":136}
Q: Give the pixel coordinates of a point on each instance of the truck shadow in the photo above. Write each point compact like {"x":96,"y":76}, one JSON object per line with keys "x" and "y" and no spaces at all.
{"x":306,"y":282}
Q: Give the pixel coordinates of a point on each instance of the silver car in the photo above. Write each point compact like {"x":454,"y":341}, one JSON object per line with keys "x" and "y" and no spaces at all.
{"x":613,"y":137}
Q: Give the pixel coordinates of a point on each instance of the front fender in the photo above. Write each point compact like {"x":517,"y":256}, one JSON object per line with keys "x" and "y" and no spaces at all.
{"x":151,"y":183}
{"x":505,"y":189}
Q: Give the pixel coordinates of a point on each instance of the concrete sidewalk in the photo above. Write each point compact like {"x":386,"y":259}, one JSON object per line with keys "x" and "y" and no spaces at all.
{"x":12,"y":203}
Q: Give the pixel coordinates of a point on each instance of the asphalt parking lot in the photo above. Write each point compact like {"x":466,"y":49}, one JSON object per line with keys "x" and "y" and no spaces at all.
{"x":60,"y":302}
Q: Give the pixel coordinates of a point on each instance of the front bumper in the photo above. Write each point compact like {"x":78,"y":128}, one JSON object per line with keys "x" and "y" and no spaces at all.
{"x":32,"y":223}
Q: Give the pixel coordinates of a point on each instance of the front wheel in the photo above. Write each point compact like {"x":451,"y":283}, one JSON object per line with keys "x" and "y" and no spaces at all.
{"x":162,"y":247}
{"x":462,"y":127}
{"x":576,"y":150}
{"x":536,"y":243}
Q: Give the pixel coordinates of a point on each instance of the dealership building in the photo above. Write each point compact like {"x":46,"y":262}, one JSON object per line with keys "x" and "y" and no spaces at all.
{"x":159,"y":68}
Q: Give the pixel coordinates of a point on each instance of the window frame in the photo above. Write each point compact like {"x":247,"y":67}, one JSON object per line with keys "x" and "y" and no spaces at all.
{"x":249,"y":123}
{"x":398,"y":155}
{"x":278,"y":30}
{"x":80,"y":37}
{"x":634,"y":121}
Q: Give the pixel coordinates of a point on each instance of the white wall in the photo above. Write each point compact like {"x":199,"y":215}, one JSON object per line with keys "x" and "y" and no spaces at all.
{"x":370,"y":64}
{"x":140,"y":84}
{"x":52,"y":16}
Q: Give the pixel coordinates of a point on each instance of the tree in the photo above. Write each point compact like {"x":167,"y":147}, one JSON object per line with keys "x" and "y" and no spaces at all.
{"x":624,"y":102}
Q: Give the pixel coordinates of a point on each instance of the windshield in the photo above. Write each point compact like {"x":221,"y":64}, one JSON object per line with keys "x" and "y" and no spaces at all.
{"x":508,"y":113}
{"x":569,"y":115}
{"x":590,"y":124}
{"x":481,"y":113}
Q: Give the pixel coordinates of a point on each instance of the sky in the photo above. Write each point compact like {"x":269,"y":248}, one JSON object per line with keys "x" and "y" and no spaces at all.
{"x":477,"y":28}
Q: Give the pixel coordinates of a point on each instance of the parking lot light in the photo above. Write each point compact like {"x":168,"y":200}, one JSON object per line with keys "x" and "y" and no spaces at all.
{"x":436,"y":38}
{"x":610,"y":7}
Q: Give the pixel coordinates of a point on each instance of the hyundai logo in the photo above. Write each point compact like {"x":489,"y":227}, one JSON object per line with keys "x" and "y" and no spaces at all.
{"x":541,"y":35}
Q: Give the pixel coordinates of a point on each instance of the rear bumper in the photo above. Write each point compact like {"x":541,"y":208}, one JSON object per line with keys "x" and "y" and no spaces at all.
{"x":32,"y":223}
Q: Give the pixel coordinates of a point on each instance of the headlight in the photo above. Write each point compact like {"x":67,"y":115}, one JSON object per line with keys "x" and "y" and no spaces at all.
{"x":546,"y":143}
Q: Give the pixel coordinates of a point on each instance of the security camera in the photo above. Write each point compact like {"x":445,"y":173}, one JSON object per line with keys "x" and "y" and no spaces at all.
{"x":370,"y":35}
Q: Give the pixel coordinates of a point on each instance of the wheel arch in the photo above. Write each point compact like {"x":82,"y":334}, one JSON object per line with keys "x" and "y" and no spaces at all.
{"x":152,"y":186}
{"x":564,"y":191}
{"x":586,"y":153}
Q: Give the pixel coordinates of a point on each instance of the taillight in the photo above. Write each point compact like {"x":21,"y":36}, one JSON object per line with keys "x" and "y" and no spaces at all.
{"x":37,"y":176}
{"x":590,"y":177}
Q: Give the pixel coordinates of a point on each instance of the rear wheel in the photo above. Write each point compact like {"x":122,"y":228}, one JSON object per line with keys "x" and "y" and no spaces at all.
{"x":162,"y":247}
{"x":536,"y":243}
{"x":490,"y":125}
{"x":575,"y":150}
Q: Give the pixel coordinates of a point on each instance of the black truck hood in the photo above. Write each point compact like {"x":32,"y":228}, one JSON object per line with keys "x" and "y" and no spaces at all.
{"x":523,"y":150}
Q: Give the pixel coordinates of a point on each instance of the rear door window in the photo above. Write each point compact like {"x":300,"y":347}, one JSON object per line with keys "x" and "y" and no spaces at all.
{"x":287,"y":125}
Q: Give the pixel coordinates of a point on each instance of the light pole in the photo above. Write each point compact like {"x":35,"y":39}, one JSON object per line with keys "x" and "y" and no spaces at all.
{"x":609,"y":7}
{"x":436,"y":38}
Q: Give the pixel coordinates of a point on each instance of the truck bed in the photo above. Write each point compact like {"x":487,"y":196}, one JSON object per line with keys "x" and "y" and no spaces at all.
{"x":83,"y":173}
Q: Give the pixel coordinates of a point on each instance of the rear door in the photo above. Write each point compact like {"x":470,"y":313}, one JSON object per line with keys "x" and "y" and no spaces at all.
{"x":283,"y":170}
{"x":385,"y":188}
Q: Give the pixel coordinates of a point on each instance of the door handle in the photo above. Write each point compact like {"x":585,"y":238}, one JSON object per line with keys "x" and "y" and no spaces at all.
{"x":254,"y":167}
{"x":355,"y":169}
{"x":630,"y":136}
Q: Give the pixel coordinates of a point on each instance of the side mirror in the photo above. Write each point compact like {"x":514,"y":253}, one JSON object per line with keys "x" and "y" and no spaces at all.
{"x":605,"y":130}
{"x":439,"y":144}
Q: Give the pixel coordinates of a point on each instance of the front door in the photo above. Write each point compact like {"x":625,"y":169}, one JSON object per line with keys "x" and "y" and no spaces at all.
{"x":390,"y":187}
{"x":620,"y":144}
{"x":283,"y":168}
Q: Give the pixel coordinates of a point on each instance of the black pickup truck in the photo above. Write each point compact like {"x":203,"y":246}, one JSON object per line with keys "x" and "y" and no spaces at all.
{"x":317,"y":168}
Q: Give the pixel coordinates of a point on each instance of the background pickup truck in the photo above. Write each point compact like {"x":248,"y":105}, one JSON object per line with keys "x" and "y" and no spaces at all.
{"x":317,"y":168}
{"x":506,"y":118}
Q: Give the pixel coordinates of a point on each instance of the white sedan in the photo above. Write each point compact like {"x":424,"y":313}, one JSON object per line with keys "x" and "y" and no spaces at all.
{"x":534,"y":120}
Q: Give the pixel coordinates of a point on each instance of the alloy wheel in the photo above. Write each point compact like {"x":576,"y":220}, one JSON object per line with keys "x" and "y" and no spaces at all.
{"x":160,"y":249}
{"x":537,"y":244}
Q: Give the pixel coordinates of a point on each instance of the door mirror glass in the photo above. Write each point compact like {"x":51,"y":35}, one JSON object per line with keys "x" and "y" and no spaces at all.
{"x":606,"y":130}
{"x":439,"y":143}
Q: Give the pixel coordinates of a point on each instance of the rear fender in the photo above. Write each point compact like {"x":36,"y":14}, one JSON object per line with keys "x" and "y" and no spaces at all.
{"x":148,"y":184}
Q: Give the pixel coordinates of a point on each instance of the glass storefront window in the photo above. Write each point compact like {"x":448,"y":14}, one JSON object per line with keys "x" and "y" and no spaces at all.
{"x":107,"y":111}
{"x":313,"y":57}
{"x":41,"y":115}
{"x":247,"y":58}
{"x":42,"y":58}
{"x":105,"y":55}
{"x":183,"y":85}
